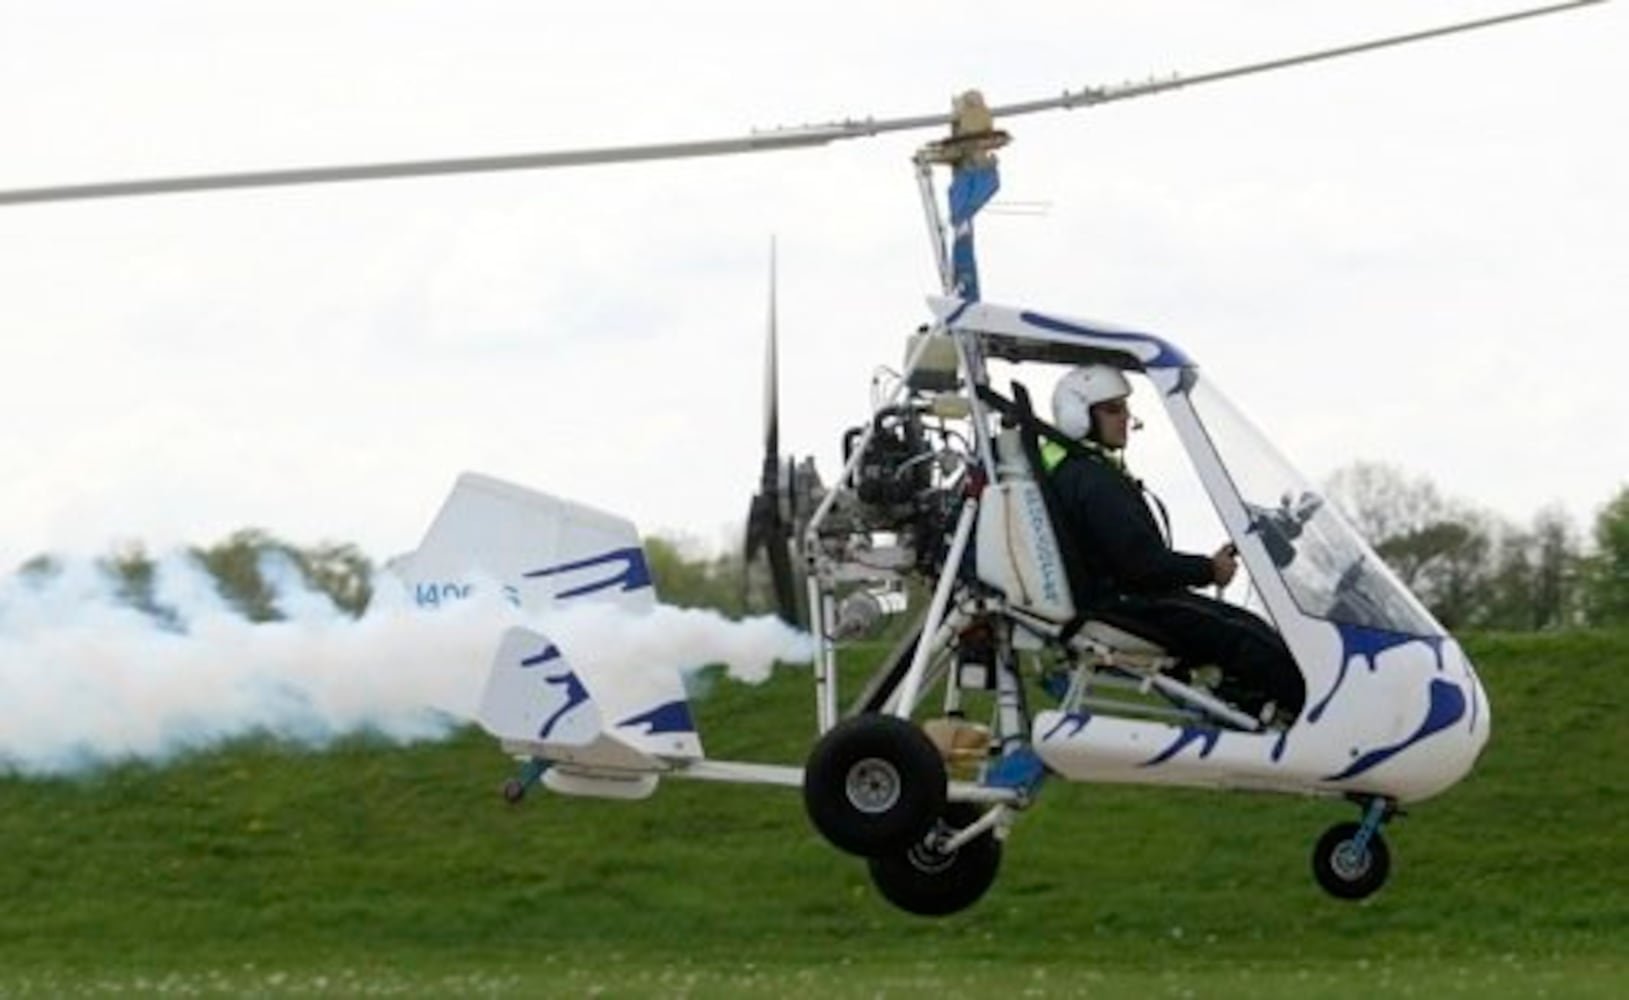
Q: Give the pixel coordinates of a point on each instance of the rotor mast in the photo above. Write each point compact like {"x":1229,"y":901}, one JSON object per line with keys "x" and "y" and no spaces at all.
{"x":969,"y":152}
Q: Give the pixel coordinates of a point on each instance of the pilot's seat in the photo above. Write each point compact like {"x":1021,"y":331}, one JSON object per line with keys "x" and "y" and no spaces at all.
{"x":1110,"y":666}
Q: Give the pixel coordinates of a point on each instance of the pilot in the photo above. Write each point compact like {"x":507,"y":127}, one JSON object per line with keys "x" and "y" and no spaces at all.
{"x":1126,"y":572}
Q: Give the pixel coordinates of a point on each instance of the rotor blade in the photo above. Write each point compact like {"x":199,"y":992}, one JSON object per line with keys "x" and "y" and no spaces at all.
{"x":756,"y":142}
{"x":1090,"y":96}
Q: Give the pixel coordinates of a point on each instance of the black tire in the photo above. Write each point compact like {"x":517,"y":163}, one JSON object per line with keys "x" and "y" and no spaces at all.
{"x":1345,"y":873}
{"x":514,"y":790}
{"x":928,"y":883}
{"x":874,"y":785}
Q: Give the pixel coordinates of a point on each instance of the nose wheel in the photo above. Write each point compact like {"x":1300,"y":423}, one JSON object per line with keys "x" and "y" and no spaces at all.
{"x":1351,"y":860}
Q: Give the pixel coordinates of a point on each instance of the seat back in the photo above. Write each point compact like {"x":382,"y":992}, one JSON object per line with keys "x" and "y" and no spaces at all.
{"x":1016,"y":547}
{"x":1020,"y":550}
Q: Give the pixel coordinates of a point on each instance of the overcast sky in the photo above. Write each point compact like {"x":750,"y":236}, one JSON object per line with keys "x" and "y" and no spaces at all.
{"x":1415,"y":256}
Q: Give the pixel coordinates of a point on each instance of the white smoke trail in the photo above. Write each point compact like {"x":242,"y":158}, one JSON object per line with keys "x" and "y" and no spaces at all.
{"x":86,"y":679}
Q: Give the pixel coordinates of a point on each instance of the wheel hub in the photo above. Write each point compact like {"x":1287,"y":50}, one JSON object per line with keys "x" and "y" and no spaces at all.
{"x":1350,"y":862}
{"x":927,"y":856}
{"x":873,"y":785}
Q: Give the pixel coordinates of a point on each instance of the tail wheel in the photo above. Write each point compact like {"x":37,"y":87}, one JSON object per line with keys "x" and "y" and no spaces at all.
{"x":1346,"y":870}
{"x":874,"y":785}
{"x":929,"y":882}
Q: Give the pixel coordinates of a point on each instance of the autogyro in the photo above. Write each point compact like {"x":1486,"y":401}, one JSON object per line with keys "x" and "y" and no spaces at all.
{"x":942,"y":515}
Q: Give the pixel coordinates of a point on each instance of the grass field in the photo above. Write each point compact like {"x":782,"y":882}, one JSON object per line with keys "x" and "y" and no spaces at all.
{"x":377,"y":870}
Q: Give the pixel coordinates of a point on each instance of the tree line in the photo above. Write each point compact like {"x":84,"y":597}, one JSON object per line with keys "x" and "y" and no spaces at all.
{"x":1473,"y":569}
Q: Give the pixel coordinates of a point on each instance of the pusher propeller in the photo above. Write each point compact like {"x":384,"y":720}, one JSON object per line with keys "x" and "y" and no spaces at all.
{"x":770,"y":518}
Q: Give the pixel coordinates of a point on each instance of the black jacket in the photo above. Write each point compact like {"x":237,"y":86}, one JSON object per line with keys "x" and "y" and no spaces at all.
{"x":1116,"y":545}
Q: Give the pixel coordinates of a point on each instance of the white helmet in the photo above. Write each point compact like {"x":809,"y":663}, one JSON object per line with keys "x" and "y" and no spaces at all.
{"x":1081,"y":389}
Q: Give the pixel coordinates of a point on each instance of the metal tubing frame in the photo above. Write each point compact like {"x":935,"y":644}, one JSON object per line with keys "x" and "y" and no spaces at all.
{"x":820,"y":611}
{"x":936,"y":227}
{"x":909,"y":691}
{"x":937,"y":643}
{"x":991,"y":818}
{"x":1012,"y":713}
{"x":911,"y":686}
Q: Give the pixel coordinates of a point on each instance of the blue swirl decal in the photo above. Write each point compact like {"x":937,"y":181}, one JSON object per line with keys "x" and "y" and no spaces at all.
{"x":1446,"y":708}
{"x":1167,"y":355}
{"x":1368,"y":643}
{"x":576,"y":694}
{"x":1189,"y":734}
{"x":674,"y":717}
{"x":550,"y":652}
{"x":1075,"y":721}
{"x":631,"y":572}
{"x":1278,"y":748}
{"x":970,"y":189}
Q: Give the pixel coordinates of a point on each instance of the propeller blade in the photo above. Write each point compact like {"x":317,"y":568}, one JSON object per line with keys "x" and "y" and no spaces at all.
{"x":785,"y":584}
{"x":769,"y":526}
{"x":767,"y":140}
{"x":772,"y":416}
{"x":755,"y":532}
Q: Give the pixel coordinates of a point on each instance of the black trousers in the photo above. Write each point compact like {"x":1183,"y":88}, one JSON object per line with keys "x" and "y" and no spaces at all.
{"x":1256,"y":665}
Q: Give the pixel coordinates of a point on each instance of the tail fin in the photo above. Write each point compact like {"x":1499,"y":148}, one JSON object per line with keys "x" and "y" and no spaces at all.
{"x":547,"y":552}
{"x":541,"y":549}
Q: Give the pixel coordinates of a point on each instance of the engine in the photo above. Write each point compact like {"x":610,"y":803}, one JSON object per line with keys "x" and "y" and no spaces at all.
{"x":905,"y":484}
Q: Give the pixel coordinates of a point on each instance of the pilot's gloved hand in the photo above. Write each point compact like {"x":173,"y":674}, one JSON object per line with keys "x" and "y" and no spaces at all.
{"x":1224,"y":564}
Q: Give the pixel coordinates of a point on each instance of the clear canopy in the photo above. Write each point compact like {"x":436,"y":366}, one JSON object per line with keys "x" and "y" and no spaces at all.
{"x":1329,"y":570}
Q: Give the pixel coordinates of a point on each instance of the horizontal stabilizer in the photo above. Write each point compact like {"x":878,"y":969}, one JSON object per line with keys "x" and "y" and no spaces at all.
{"x":541,"y":703}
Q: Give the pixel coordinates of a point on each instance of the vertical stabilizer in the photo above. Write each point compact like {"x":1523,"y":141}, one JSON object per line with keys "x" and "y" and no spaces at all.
{"x":540,"y":549}
{"x":586,"y":701}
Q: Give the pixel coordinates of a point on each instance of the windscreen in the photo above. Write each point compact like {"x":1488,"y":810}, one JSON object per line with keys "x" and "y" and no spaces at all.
{"x":1329,"y":570}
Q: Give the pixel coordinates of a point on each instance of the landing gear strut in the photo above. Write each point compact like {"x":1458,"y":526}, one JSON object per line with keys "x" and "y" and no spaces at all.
{"x":514,"y":790}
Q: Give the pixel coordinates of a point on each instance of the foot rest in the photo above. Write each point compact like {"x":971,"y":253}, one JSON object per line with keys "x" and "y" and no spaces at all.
{"x":1117,"y":639}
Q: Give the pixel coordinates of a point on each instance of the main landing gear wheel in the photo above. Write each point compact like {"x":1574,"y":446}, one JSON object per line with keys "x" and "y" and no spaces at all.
{"x":1347,"y":870}
{"x":931,"y":883}
{"x":874,"y":785}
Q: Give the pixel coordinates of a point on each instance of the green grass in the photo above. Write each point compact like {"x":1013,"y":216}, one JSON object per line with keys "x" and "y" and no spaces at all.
{"x":377,"y":869}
